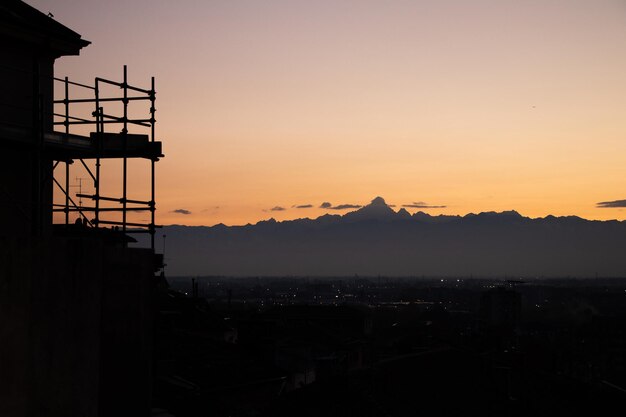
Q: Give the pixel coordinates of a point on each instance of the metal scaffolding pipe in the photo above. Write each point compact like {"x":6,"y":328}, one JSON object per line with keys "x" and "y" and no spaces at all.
{"x":101,"y":119}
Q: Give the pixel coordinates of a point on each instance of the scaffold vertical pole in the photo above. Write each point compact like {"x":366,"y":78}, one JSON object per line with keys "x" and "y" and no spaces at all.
{"x":125,"y":147}
{"x":67,"y":162}
{"x":152,"y":162}
{"x":99,"y":131}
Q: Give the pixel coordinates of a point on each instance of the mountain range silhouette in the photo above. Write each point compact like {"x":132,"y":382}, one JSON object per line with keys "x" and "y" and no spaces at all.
{"x":377,"y":240}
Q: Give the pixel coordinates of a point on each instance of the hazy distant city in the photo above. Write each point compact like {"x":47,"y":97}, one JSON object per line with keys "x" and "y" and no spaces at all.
{"x":512,"y":346}
{"x":453,"y":294}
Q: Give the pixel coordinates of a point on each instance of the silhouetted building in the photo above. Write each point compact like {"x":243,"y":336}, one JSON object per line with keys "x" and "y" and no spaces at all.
{"x":30,"y":43}
{"x":312,"y":343}
{"x":501,"y":307}
{"x":75,"y":301}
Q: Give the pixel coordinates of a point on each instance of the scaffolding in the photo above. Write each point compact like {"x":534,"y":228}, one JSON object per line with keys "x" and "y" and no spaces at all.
{"x":67,"y":147}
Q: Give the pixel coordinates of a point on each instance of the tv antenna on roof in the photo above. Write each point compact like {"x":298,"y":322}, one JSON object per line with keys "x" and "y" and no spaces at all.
{"x":79,"y":180}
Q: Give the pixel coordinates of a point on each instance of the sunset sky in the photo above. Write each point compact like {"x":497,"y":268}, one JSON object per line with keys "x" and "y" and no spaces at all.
{"x":472,"y":105}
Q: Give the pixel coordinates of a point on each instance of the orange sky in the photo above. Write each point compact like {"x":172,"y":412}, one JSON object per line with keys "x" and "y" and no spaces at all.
{"x":475,"y":105}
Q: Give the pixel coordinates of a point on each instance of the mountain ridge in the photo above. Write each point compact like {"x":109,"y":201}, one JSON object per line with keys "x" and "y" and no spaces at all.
{"x":376,"y":240}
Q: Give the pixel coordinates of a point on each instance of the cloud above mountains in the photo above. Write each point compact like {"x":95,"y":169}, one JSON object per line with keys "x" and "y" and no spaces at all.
{"x":326,"y":205}
{"x":422,"y":205}
{"x":345,"y":207}
{"x":611,"y":204}
{"x":181,"y":211}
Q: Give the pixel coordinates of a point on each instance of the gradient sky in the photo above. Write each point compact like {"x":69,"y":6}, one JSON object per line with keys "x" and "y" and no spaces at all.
{"x":473,"y":105}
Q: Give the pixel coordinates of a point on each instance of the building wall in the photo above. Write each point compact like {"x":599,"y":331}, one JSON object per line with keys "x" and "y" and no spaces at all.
{"x":16,"y":205}
{"x":75,"y":313}
{"x":19,"y":83}
{"x":25,"y":173}
{"x":75,"y":328}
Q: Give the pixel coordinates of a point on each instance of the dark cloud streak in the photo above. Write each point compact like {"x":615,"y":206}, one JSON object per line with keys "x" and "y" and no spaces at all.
{"x":345,"y":207}
{"x":326,"y":205}
{"x":181,"y":211}
{"x":422,"y":205}
{"x":611,"y":204}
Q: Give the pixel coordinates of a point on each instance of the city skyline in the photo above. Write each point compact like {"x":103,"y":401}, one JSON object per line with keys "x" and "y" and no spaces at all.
{"x":476,"y":107}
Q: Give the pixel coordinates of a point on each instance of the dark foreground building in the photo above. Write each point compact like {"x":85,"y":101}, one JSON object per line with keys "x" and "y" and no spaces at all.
{"x":76,"y":303}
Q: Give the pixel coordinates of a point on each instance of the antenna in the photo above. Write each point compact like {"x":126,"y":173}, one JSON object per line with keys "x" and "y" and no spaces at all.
{"x":79,"y":180}
{"x":80,"y":191}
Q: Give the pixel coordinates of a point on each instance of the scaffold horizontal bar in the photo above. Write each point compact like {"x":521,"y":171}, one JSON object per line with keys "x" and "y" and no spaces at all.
{"x":142,"y":122}
{"x":114,"y":223}
{"x":119,"y":200}
{"x":70,"y":117}
{"x":117,"y":121}
{"x":93,"y":100}
{"x":121,"y":85}
{"x":111,"y":209}
{"x":74,"y":83}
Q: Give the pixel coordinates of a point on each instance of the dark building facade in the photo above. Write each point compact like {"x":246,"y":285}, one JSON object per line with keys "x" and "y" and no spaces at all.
{"x":76,"y":303}
{"x":29,"y":44}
